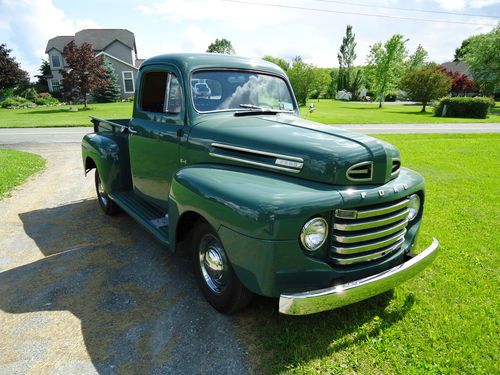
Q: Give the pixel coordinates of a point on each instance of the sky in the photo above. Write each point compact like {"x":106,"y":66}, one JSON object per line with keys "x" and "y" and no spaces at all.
{"x":255,"y":30}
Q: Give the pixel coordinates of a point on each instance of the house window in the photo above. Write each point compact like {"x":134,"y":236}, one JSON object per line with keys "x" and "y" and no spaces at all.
{"x":56,"y":62}
{"x":128,"y":82}
{"x":56,"y":86}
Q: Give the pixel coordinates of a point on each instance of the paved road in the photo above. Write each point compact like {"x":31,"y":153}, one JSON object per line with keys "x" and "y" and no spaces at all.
{"x":51,"y":135}
{"x":84,"y":293}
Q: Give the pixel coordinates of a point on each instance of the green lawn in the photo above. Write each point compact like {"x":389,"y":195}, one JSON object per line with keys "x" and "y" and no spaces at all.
{"x":327,"y":112}
{"x":445,"y":320}
{"x":338,"y":112}
{"x":16,"y":167}
{"x":60,"y":116}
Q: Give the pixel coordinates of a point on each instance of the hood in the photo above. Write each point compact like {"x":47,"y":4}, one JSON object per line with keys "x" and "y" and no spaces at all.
{"x":290,"y":145}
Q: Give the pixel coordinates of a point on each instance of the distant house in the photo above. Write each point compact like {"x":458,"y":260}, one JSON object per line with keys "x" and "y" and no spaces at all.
{"x":457,"y":66}
{"x":116,"y":45}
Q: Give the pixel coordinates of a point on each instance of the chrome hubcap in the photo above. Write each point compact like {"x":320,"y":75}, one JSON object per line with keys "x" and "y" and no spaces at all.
{"x":213,"y":263}
{"x":101,"y":192}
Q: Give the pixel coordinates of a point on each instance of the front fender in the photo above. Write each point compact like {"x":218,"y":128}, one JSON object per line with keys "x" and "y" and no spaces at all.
{"x":255,"y":203}
{"x":109,"y":152}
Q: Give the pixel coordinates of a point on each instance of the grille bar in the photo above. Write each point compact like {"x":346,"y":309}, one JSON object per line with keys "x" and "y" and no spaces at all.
{"x":371,"y":235}
{"x":367,"y":257}
{"x":372,"y":224}
{"x":371,"y":246}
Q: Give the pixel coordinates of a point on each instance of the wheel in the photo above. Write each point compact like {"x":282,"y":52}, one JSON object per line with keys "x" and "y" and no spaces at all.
{"x":216,"y":278}
{"x":108,"y":206}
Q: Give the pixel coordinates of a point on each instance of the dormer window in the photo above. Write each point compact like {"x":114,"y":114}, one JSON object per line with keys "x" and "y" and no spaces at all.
{"x":56,"y":62}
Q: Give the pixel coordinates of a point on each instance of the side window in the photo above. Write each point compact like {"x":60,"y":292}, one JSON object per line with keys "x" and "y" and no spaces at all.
{"x":174,"y":96}
{"x":161,"y":93}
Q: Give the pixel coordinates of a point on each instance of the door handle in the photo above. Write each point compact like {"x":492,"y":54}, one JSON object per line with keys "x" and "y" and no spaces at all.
{"x":127,"y":129}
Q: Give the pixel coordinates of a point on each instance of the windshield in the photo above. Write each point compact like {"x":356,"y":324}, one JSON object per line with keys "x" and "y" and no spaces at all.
{"x":219,"y":90}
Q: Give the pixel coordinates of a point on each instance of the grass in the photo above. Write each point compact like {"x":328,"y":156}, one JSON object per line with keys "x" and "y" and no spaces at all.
{"x":327,"y":112}
{"x":444,"y":321}
{"x":339,"y":112}
{"x":16,"y":167}
{"x":60,"y":116}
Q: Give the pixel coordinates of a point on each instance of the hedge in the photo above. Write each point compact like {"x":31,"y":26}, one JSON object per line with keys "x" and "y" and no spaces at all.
{"x":464,"y":107}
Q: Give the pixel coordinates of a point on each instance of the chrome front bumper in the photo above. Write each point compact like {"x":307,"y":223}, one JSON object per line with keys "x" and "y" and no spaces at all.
{"x":331,"y":298}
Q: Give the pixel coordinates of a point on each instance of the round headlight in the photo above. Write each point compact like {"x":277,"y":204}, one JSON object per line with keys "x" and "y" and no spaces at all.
{"x":414,"y":206}
{"x":314,"y":233}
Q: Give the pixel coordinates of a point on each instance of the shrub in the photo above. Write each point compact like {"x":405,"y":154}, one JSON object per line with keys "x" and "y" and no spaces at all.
{"x":46,"y":100}
{"x":465,"y":107}
{"x":16,"y":101}
{"x":131,"y":98}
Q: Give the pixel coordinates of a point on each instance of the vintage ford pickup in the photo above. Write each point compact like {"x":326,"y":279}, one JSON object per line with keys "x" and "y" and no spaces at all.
{"x":216,"y":158}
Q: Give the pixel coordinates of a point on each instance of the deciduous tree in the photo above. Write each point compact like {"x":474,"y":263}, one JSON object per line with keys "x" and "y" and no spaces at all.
{"x":482,"y":55}
{"x":385,"y":65}
{"x":304,"y":79}
{"x":11,"y":75}
{"x":221,"y":46}
{"x":282,"y":63}
{"x":426,"y":84}
{"x":85,"y":73}
{"x":460,"y":83}
{"x":418,"y":59}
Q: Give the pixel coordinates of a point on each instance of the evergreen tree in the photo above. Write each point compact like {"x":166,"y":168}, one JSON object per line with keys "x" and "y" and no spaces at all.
{"x":110,"y":90}
{"x":347,"y":55}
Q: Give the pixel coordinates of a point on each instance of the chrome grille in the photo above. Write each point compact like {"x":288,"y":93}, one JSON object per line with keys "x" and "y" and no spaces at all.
{"x":368,"y":233}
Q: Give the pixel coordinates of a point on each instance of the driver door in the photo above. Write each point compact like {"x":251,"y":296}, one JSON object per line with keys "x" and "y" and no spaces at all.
{"x":154,"y":140}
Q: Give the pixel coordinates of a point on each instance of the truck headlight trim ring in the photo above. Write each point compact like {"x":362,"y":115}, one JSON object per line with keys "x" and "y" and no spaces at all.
{"x":314,"y":233}
{"x":413,"y":206}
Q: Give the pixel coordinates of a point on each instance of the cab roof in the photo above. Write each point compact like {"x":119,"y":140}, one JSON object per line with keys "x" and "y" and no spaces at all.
{"x":188,"y":62}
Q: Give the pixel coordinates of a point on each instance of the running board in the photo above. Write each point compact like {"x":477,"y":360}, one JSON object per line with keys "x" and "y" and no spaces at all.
{"x":147,"y":215}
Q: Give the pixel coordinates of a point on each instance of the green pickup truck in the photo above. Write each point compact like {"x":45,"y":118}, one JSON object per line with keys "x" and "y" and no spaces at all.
{"x":216,"y":159}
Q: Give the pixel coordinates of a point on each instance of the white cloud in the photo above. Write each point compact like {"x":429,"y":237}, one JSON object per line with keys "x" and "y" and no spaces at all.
{"x":235,"y":16}
{"x":462,"y":4}
{"x":29,"y":24}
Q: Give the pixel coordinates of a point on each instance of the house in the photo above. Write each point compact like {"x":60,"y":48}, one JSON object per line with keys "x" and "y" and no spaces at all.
{"x":457,"y":66}
{"x":116,"y":45}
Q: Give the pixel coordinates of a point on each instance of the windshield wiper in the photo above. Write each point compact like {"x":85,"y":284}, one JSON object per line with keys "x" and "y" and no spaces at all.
{"x":252,"y":106}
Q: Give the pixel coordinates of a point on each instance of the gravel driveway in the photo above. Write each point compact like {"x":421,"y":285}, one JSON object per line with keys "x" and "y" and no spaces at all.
{"x":84,"y":293}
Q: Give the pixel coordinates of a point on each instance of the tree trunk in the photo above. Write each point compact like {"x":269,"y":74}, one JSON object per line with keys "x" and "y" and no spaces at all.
{"x":380,"y":104}
{"x":423,"y":107}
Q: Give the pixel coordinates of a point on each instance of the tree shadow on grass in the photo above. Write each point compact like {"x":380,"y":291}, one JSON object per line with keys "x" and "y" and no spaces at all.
{"x":48,"y":112}
{"x":139,"y":306}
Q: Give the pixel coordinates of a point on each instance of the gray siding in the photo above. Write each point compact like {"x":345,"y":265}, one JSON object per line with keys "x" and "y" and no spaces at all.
{"x":119,"y":69}
{"x":120,"y":51}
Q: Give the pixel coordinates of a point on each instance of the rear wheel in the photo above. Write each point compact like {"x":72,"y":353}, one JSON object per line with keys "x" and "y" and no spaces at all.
{"x":108,"y":206}
{"x":214,"y":273}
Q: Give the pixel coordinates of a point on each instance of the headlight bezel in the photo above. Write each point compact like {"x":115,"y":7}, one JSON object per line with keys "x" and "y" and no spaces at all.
{"x":414,"y":207}
{"x":310,"y":225}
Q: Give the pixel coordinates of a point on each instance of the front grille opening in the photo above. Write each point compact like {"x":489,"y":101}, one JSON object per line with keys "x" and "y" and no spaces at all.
{"x":360,"y":172}
{"x":375,"y":232}
{"x":396,"y":165}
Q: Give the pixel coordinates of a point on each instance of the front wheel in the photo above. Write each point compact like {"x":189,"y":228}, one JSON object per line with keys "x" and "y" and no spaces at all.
{"x":214,"y":273}
{"x":108,"y":206}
